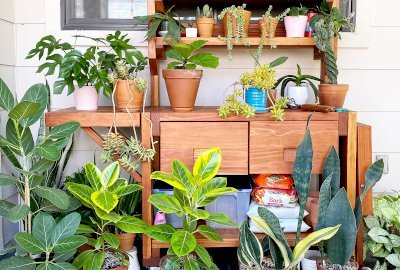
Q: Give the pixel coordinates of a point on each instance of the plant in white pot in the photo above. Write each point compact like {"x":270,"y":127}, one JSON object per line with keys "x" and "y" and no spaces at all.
{"x":182,"y":79}
{"x":296,"y":22}
{"x":298,"y":91}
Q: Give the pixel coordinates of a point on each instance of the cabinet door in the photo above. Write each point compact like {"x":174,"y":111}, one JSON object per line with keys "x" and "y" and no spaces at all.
{"x":186,"y":140}
{"x":273,"y":144}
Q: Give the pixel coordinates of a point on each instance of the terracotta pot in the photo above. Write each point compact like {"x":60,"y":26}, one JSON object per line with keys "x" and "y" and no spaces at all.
{"x":267,"y":27}
{"x":126,"y":241}
{"x":205,"y":27}
{"x":127,"y":97}
{"x":86,"y":98}
{"x":271,"y":95}
{"x":314,"y":211}
{"x":228,"y":16}
{"x":182,"y":86}
{"x":333,"y":94}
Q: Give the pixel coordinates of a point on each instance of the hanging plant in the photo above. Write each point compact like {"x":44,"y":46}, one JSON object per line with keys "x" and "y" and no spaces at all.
{"x":234,"y":105}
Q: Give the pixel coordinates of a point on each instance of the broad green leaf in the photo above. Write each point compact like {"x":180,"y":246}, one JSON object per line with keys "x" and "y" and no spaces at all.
{"x":104,"y":200}
{"x":332,"y":167}
{"x":128,"y":189}
{"x":118,"y":183}
{"x":181,"y":172}
{"x":37,"y":93}
{"x":29,"y":243}
{"x":166,"y":203}
{"x":173,"y":263}
{"x":95,"y":262}
{"x":60,"y":266}
{"x":221,"y":219}
{"x":82,"y":192}
{"x":197,"y":213}
{"x":169,"y":179}
{"x":162,"y":232}
{"x":203,"y":254}
{"x":209,"y":233}
{"x":19,"y":137}
{"x":43,"y":223}
{"x":208,"y":163}
{"x":6,"y":98}
{"x":207,"y":188}
{"x":183,"y":243}
{"x":395,"y":240}
{"x":5,"y":206}
{"x":18,"y":212}
{"x":113,"y":217}
{"x":18,"y":263}
{"x":63,"y":257}
{"x":62,"y":131}
{"x":6,"y":180}
{"x":42,"y":165}
{"x":394,"y":259}
{"x":8,"y":250}
{"x":49,"y":152}
{"x":131,"y":224}
{"x":83,"y":258}
{"x":57,"y":197}
{"x":69,"y":243}
{"x":205,"y":60}
{"x":84,"y":229}
{"x":93,"y":175}
{"x":191,"y":264}
{"x":24,"y":109}
{"x":110,"y":174}
{"x":65,"y":228}
{"x":250,"y":247}
{"x":111,"y":239}
{"x":277,"y":62}
{"x":371,"y":222}
{"x":374,"y":247}
{"x":324,"y":200}
{"x":379,"y":235}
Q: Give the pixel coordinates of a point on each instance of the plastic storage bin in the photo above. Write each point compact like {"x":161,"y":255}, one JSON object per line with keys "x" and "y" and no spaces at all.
{"x":172,"y":219}
{"x":235,"y":205}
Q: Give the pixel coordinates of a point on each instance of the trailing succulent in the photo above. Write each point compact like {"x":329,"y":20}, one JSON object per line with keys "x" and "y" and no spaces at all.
{"x":122,"y":72}
{"x":233,"y":105}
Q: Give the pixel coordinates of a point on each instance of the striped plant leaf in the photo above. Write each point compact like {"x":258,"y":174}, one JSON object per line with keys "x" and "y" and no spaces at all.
{"x":110,"y":174}
{"x":82,"y":192}
{"x":207,"y":164}
{"x":104,"y":200}
{"x":332,"y":167}
{"x":209,"y":233}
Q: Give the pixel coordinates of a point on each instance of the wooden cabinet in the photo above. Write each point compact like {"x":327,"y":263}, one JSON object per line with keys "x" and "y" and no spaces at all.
{"x":186,"y":140}
{"x":273,"y":144}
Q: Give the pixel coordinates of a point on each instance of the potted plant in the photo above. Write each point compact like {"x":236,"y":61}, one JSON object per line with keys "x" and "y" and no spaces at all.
{"x":182,"y":79}
{"x":236,"y":22}
{"x":296,"y":22}
{"x":298,"y":92}
{"x":190,"y":30}
{"x":170,"y":28}
{"x":192,"y":191}
{"x":327,"y":25}
{"x":102,"y":195}
{"x":205,"y":21}
{"x":258,"y":82}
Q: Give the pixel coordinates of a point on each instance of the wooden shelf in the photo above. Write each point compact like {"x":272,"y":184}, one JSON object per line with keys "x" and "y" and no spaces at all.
{"x":254,"y":41}
{"x":231,"y":239}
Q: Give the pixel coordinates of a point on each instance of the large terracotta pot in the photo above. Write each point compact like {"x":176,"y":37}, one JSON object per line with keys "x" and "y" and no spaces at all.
{"x":86,"y":98}
{"x":333,"y":94}
{"x":205,"y":27}
{"x":228,"y":16}
{"x":182,"y":86}
{"x":126,"y":241}
{"x":268,"y":27}
{"x":127,"y":97}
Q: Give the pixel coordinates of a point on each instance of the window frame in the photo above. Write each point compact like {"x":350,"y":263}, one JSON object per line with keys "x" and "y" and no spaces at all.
{"x":68,"y":22}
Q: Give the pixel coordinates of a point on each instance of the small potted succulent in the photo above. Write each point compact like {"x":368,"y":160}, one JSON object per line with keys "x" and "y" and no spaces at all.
{"x":298,"y":91}
{"x":327,"y":25}
{"x":205,"y":21}
{"x":181,"y":77}
{"x":296,"y":22}
{"x":190,"y":30}
{"x":236,"y":22}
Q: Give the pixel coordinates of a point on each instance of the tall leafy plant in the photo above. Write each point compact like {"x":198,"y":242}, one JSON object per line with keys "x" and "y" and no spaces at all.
{"x":192,"y":191}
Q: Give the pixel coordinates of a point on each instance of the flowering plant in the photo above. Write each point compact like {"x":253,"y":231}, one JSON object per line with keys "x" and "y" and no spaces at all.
{"x":262,"y":77}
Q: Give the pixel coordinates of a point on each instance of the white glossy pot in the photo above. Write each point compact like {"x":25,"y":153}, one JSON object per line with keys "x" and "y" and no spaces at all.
{"x":298,"y":93}
{"x":133,"y":260}
{"x":86,"y":98}
{"x":191,"y":32}
{"x":295,"y":26}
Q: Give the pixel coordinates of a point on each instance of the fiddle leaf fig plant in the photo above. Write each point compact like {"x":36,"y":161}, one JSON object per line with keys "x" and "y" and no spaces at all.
{"x":192,"y":191}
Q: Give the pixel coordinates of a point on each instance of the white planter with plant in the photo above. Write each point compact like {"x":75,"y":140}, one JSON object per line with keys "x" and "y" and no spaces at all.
{"x":296,"y":22}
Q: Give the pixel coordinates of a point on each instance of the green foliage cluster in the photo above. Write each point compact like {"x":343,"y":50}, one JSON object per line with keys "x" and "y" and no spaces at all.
{"x":233,"y":105}
{"x":298,"y":11}
{"x":206,"y":12}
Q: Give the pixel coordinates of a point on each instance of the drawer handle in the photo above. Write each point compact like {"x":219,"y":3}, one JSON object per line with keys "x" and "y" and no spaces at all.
{"x":289,"y":154}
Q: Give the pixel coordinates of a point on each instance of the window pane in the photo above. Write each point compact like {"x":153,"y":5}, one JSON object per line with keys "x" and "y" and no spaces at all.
{"x":109,"y":9}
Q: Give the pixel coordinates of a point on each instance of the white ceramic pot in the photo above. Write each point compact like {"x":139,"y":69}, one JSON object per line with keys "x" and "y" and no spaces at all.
{"x":86,"y":98}
{"x":133,"y":260}
{"x":295,"y":26}
{"x":191,"y":32}
{"x":298,"y":93}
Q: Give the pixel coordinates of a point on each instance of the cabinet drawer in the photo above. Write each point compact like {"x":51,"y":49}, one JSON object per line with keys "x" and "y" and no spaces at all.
{"x":273,"y":144}
{"x":186,"y":140}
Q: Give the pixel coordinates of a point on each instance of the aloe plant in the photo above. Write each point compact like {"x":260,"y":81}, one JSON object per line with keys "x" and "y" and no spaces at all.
{"x":102,"y":195}
{"x":192,"y":191}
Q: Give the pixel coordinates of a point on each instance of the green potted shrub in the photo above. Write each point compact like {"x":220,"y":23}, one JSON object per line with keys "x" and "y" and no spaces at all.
{"x":296,"y":22}
{"x":327,"y":25}
{"x":182,"y":79}
{"x":236,"y":21}
{"x":192,"y":191}
{"x":205,"y":21}
{"x":298,"y":92}
{"x":103,"y":193}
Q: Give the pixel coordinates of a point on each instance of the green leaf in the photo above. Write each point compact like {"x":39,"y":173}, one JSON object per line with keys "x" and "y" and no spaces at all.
{"x":38,"y":94}
{"x":183,"y":243}
{"x":162,"y":232}
{"x":18,"y":212}
{"x":18,"y":263}
{"x":372,"y":176}
{"x":371,"y":222}
{"x":49,"y":152}
{"x":5,"y":206}
{"x":208,"y":163}
{"x":250,"y":247}
{"x":84,"y":229}
{"x":81,"y":192}
{"x":83,"y":258}
{"x":104,"y":200}
{"x":110,"y":174}
{"x":395,"y":240}
{"x":111,"y":239}
{"x":209,"y":233}
{"x":277,"y":62}
{"x":173,"y":263}
{"x":379,"y":235}
{"x":24,"y":109}
{"x":131,"y":224}
{"x":6,"y":180}
{"x":16,"y":138}
{"x":205,"y":60}
{"x":41,"y":166}
{"x":203,"y":255}
{"x":191,"y":264}
{"x":128,"y":189}
{"x":57,"y":197}
{"x":62,"y":131}
{"x":332,"y":166}
{"x":93,"y":175}
{"x":394,"y":259}
{"x":200,"y":194}
{"x":61,"y":266}
{"x":29,"y":243}
{"x":166,"y":203}
{"x":95,"y":262}
{"x":197,"y":213}
{"x":169,"y":179}
{"x":6,"y":97}
{"x":324,"y":200}
{"x":65,"y":228}
{"x":69,"y":243}
{"x":221,"y":219}
{"x":43,"y":223}
{"x":181,"y":172}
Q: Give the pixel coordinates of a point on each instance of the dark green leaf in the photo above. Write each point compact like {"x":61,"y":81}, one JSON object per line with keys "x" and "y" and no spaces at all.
{"x":332,"y":166}
{"x":6,"y":97}
{"x":18,"y":263}
{"x":57,"y":197}
{"x":29,"y":243}
{"x":18,"y":212}
{"x":24,"y":109}
{"x":70,"y":243}
{"x":6,"y":180}
{"x":65,"y":228}
{"x":43,"y":223}
{"x":64,"y":130}
{"x":49,"y":152}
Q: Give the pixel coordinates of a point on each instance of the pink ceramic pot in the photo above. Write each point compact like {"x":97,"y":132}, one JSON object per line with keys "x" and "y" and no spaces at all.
{"x":86,"y":98}
{"x":295,"y":26}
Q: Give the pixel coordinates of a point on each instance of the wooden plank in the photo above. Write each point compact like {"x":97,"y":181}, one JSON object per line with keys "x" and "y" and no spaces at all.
{"x":102,"y":117}
{"x":273,"y":144}
{"x":351,"y":158}
{"x":159,"y":6}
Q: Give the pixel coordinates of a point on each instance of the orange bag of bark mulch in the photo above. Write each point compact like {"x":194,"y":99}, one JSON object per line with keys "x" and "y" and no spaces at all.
{"x":280,"y":181}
